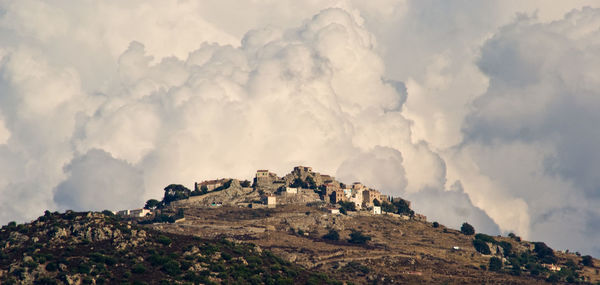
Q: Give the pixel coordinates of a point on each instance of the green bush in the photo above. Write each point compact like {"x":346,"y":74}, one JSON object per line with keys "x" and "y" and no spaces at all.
{"x":172,"y":268}
{"x":506,"y":247}
{"x":51,"y":267}
{"x":495,"y":264}
{"x":485,"y":238}
{"x":436,"y":225}
{"x":84,"y":268}
{"x":138,"y":268}
{"x":332,"y":235}
{"x":357,"y":237}
{"x":481,"y":246}
{"x":587,"y":260}
{"x":467,"y":229}
{"x":45,"y":281}
{"x":163,"y":240}
{"x":544,"y":253}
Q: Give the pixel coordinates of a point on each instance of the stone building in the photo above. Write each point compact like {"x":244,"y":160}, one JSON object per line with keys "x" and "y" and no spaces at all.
{"x":210,"y":185}
{"x":370,"y":195}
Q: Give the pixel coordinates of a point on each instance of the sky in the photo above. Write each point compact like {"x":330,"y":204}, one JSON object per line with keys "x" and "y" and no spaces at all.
{"x":476,"y":111}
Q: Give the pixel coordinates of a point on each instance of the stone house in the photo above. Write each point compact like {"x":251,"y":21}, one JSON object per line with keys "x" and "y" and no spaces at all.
{"x":357,"y":199}
{"x":209,"y":184}
{"x":370,"y":195}
{"x":337,"y":196}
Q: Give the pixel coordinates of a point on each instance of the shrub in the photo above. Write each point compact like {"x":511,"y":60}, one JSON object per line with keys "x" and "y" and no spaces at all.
{"x":495,"y":264}
{"x":171,"y":268}
{"x":51,"y":266}
{"x":544,"y":253}
{"x":357,"y":237}
{"x":587,"y":260}
{"x":485,"y":238}
{"x":481,"y":246}
{"x":347,"y":206}
{"x":138,"y":268}
{"x":436,"y":225}
{"x":108,"y":213}
{"x":83,"y":268}
{"x":467,"y":229}
{"x":163,"y":240}
{"x":332,"y":235}
{"x":507,"y":247}
{"x":45,"y":281}
{"x":151,"y":204}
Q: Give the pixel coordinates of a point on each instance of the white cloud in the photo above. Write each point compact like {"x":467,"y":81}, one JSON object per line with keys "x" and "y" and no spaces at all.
{"x":428,"y":94}
{"x":97,"y":181}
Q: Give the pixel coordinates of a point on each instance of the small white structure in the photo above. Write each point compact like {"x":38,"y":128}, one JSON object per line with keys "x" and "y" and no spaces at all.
{"x":135,"y":213}
{"x":290,"y":190}
{"x":334,"y":211}
{"x":271,"y":201}
{"x":376,"y":210}
{"x":139,"y":212}
{"x":455,"y":248}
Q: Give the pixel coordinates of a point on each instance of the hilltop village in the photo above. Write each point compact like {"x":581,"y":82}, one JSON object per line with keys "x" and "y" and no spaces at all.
{"x":267,"y":190}
{"x":302,"y":228}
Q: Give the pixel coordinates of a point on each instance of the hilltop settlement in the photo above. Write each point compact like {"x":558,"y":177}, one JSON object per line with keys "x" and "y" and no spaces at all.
{"x":301,"y":186}
{"x":302,"y":228}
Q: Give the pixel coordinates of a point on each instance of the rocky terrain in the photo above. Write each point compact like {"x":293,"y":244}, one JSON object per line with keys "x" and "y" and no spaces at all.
{"x":227,"y":235}
{"x":399,"y":250}
{"x":99,"y":248}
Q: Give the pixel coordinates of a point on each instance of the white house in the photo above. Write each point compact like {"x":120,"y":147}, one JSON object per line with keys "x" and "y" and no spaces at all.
{"x":271,"y":201}
{"x":135,"y":213}
{"x":139,"y":212}
{"x":334,"y":211}
{"x":377,"y":210}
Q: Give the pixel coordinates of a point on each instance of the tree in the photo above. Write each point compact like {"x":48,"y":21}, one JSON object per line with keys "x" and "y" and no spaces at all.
{"x":311,"y":182}
{"x":403,"y":207}
{"x":376,"y":202}
{"x":481,"y":246}
{"x":175,"y":192}
{"x":357,"y":237}
{"x":544,"y":253}
{"x":587,"y":260}
{"x":495,"y":264}
{"x":485,"y":238}
{"x":151,"y":204}
{"x":436,"y":224}
{"x":467,"y":229}
{"x":245,"y":183}
{"x":332,"y":235}
{"x":347,"y":206}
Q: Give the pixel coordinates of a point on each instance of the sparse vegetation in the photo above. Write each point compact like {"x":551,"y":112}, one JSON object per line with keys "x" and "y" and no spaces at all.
{"x":481,"y":246}
{"x":495,"y":264}
{"x":332,"y":235}
{"x":358,"y":237}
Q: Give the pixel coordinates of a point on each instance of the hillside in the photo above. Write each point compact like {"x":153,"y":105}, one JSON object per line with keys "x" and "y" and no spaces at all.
{"x":99,"y":248}
{"x":399,"y":251}
{"x":302,"y":228}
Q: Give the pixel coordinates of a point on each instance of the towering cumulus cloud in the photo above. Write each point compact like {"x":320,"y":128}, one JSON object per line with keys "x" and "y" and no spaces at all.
{"x":534,"y":132}
{"x":104,"y":103}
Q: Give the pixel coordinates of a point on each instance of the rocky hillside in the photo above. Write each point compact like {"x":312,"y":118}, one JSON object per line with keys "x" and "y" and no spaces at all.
{"x":99,"y":248}
{"x":363,"y":248}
